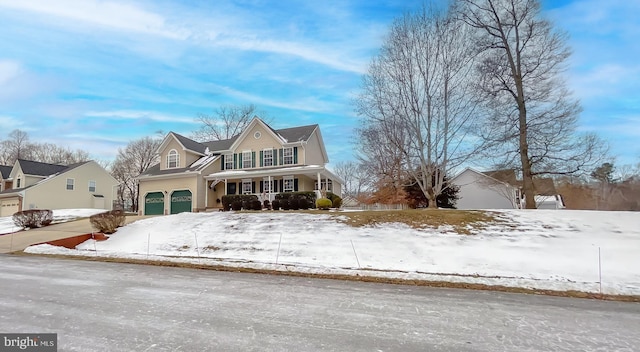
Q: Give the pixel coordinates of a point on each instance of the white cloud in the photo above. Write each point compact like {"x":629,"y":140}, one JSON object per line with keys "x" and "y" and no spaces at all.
{"x":139,"y":114}
{"x":115,"y":15}
{"x":9,"y":70}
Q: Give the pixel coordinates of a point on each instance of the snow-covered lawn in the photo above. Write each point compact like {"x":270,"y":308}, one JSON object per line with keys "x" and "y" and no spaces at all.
{"x":60,"y":215}
{"x":544,"y":249}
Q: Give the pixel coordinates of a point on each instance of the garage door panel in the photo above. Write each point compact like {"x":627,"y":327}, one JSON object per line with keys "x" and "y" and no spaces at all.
{"x":154,"y":203}
{"x":9,"y":207}
{"x":181,"y":202}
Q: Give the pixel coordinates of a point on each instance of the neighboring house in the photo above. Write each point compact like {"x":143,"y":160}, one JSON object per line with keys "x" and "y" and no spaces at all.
{"x":36,"y":185}
{"x":490,"y":190}
{"x":194,"y":176}
{"x":4,"y":177}
{"x":500,"y":189}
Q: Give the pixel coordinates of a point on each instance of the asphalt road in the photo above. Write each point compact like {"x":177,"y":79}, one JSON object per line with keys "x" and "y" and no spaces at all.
{"x":95,"y":306}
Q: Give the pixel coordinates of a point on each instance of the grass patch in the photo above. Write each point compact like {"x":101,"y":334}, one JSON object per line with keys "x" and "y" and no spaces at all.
{"x":461,"y":221}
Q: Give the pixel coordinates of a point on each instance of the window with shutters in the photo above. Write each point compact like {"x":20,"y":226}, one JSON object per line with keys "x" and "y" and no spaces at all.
{"x":287,"y":158}
{"x":246,"y":159}
{"x":247,"y":186}
{"x":267,"y":156}
{"x":267,"y":185}
{"x":288,"y":184}
{"x":228,"y":161}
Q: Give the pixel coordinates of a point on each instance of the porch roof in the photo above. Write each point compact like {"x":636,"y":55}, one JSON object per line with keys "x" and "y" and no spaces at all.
{"x":307,"y":170}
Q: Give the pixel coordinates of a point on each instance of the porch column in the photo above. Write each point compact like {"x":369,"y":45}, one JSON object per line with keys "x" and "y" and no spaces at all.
{"x":270,"y":187}
{"x":225,"y":187}
{"x":206,"y":194}
{"x":319,"y":182}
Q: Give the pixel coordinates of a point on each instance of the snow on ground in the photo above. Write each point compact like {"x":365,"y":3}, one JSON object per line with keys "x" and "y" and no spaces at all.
{"x":59,"y":215}
{"x":544,"y":249}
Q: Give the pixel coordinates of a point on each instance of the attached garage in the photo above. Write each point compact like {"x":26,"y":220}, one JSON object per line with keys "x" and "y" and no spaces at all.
{"x":154,"y":203}
{"x":9,"y":207}
{"x":180,"y":201}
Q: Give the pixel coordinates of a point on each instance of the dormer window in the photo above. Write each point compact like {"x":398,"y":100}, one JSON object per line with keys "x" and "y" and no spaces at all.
{"x":173,"y":159}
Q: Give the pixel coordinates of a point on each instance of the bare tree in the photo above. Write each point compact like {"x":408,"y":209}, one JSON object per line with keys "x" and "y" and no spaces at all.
{"x":416,"y":97}
{"x":136,"y":157}
{"x":532,"y":119}
{"x":226,"y":122}
{"x":355,"y":176}
{"x":19,"y":147}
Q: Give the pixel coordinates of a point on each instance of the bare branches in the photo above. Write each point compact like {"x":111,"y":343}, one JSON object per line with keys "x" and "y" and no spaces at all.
{"x":226,"y":122}
{"x":19,"y":147}
{"x":417,"y":102}
{"x":136,"y":157}
{"x":530,"y":112}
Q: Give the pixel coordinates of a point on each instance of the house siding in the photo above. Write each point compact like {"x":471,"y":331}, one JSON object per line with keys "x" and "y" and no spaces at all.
{"x":167,"y":186}
{"x":52,"y":193}
{"x":186,"y":158}
{"x":481,"y":192}
{"x":313,"y":151}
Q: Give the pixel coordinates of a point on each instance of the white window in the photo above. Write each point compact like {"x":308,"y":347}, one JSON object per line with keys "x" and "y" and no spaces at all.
{"x":92,"y":186}
{"x":173,"y":159}
{"x":267,"y":156}
{"x":326,"y":185}
{"x":70,"y":183}
{"x":287,"y":156}
{"x":247,"y":187}
{"x":228,"y":161}
{"x":287,"y":183}
{"x":267,"y":185}
{"x":246,"y":159}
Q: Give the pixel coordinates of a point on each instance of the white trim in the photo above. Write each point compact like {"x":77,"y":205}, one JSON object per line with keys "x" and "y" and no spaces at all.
{"x":171,"y":153}
{"x":230,"y":156}
{"x":247,"y":181}
{"x":95,"y":186}
{"x":244,"y":134}
{"x":284,"y":156}
{"x":290,"y":178}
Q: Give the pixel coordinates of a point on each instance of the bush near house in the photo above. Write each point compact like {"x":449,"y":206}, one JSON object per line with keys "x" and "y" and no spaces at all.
{"x":323,"y":203}
{"x":33,"y":218}
{"x":275,"y":205}
{"x":245,"y":200}
{"x":107,"y":222}
{"x":309,"y":196}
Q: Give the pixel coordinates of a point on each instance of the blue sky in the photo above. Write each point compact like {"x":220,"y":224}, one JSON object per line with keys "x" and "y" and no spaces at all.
{"x":95,"y":74}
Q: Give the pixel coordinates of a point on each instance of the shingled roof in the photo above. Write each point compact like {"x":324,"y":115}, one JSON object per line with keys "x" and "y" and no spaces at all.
{"x":5,"y":171}
{"x":40,"y":169}
{"x":297,"y":134}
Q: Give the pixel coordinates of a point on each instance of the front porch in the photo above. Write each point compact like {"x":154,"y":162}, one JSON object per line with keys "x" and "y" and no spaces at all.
{"x":267,"y":183}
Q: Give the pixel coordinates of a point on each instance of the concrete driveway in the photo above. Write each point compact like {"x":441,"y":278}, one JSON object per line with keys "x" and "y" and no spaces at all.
{"x":23,"y":239}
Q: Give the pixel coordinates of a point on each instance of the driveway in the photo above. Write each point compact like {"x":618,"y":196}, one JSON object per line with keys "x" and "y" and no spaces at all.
{"x":98,"y":306}
{"x":23,"y":239}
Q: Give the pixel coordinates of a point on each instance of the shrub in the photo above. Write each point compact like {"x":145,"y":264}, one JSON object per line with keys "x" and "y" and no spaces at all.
{"x":236,"y":205}
{"x":275,"y":205}
{"x":284,"y":203}
{"x":255,"y":205}
{"x":33,"y":218}
{"x":266,"y":204}
{"x":244,"y":199}
{"x":107,"y":222}
{"x":323,"y":203}
{"x":303,"y":203}
{"x":310,"y":196}
{"x":294,"y":203}
{"x":337,"y":202}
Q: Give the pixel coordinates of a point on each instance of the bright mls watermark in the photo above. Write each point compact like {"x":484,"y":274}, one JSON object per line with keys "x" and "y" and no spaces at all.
{"x":28,"y":342}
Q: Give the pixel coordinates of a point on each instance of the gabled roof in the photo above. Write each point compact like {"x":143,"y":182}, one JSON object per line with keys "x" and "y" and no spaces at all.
{"x":220,"y":145}
{"x":297,"y":134}
{"x":190,"y":144}
{"x":504,"y":175}
{"x":5,"y":171}
{"x":196,"y":166}
{"x":40,"y":169}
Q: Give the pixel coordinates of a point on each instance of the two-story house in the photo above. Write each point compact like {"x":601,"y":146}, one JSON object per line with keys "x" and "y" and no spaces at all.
{"x":193,"y":176}
{"x":36,"y":185}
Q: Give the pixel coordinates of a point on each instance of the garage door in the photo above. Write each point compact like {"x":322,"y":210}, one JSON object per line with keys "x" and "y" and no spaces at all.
{"x":180,"y":202}
{"x":9,"y":207}
{"x":154,"y":204}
